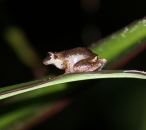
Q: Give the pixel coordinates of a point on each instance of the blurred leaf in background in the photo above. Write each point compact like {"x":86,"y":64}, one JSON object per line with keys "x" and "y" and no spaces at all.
{"x":56,"y":26}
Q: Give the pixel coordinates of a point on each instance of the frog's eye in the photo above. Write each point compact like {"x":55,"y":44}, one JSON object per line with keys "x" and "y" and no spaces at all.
{"x":49,"y":55}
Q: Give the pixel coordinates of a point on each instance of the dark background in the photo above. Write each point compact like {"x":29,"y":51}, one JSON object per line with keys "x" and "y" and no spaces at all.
{"x":60,"y":25}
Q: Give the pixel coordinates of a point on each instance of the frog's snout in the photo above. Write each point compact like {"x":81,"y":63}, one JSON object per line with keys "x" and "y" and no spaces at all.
{"x":45,"y":62}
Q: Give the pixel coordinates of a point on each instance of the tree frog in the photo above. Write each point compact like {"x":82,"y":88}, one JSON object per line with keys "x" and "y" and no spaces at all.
{"x":78,"y":59}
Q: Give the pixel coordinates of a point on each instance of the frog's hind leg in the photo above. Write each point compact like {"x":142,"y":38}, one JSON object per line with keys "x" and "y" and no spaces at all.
{"x":102,"y":62}
{"x":89,"y":64}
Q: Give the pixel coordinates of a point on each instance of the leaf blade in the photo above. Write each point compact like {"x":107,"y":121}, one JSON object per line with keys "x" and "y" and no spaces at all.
{"x":74,"y":77}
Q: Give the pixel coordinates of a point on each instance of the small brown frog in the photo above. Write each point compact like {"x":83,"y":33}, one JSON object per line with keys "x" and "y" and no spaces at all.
{"x":78,"y":59}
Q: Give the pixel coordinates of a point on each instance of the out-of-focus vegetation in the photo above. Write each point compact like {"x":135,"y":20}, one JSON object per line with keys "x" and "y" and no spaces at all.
{"x":30,"y":29}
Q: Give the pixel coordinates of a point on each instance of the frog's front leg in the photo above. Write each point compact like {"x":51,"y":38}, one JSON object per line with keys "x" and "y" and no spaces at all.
{"x":89,"y":64}
{"x":66,"y":66}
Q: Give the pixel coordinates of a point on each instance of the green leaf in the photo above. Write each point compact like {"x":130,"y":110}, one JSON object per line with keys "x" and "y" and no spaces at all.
{"x":122,"y":43}
{"x":14,"y":90}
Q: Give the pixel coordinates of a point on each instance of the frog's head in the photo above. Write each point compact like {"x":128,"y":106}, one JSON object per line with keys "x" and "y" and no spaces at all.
{"x":52,"y":58}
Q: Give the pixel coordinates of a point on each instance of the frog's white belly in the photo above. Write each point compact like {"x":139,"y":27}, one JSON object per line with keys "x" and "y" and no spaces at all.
{"x":74,"y":59}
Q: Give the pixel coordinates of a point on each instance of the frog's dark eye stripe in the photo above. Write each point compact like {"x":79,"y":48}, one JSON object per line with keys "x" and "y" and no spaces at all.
{"x":48,"y":56}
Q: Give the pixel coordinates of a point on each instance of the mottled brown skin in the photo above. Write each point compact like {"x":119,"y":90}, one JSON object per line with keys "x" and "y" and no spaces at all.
{"x":74,"y":51}
{"x":85,"y":65}
{"x":78,"y":51}
{"x":78,"y":59}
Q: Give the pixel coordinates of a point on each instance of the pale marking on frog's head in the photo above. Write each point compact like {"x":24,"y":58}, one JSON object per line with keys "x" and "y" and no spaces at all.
{"x":51,"y":58}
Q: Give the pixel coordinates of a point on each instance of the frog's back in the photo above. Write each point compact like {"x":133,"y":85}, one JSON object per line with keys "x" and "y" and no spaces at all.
{"x":77,"y":54}
{"x":79,"y":51}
